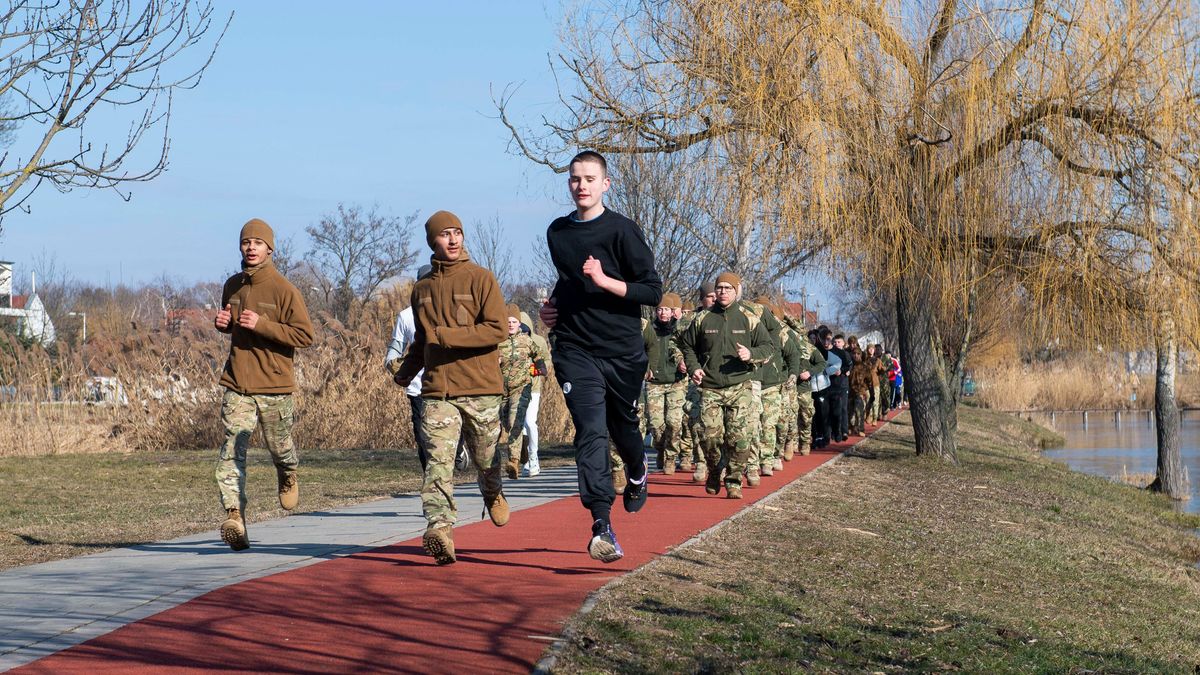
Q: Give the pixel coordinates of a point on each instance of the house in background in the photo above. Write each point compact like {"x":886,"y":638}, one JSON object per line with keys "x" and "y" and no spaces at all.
{"x":33,"y":321}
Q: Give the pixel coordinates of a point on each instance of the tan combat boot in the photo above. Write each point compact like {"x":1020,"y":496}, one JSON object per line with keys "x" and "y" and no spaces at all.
{"x":768,"y":469}
{"x":752,"y":479}
{"x":233,"y":530}
{"x":497,"y":508}
{"x":619,"y":480}
{"x":289,"y":490}
{"x":777,"y":464}
{"x":686,"y":465}
{"x":439,"y":543}
{"x":789,"y":451}
{"x":512,"y":468}
{"x":733,"y":490}
{"x":668,"y":467}
{"x":701,"y":473}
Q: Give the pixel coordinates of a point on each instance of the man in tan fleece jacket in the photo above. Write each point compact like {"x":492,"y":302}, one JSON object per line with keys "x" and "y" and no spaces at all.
{"x":267,"y":321}
{"x":460,"y":321}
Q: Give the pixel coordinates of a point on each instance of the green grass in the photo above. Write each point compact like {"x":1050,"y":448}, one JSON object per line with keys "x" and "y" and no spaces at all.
{"x":60,"y":506}
{"x":1006,"y":563}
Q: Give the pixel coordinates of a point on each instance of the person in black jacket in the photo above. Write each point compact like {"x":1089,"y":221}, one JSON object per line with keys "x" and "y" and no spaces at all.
{"x":605,"y":274}
{"x":839,"y":388}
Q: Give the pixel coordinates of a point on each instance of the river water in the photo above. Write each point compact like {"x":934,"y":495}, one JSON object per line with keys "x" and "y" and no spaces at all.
{"x":1106,"y":445}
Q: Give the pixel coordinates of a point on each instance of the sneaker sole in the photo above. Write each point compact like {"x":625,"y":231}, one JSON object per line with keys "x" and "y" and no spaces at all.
{"x":235,"y":536}
{"x":441,"y":555}
{"x":603,"y":551}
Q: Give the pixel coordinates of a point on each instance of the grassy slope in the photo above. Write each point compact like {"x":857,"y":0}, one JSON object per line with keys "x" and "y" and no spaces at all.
{"x":1007,"y":563}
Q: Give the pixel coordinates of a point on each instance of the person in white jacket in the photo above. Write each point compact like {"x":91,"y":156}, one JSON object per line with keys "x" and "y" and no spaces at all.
{"x":402,"y":337}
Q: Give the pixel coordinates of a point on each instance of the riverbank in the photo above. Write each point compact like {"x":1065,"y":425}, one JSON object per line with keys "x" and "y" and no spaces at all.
{"x":1009,"y":562}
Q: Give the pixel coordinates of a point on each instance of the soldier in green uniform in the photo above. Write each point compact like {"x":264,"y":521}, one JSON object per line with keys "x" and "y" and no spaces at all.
{"x":666,"y":387}
{"x":691,"y":448}
{"x":518,"y":356}
{"x":755,"y":419}
{"x":812,"y":363}
{"x":267,"y":321}
{"x":720,"y":348}
{"x":781,"y":368}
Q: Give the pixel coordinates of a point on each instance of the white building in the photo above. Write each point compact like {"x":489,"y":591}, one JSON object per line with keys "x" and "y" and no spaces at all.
{"x":33,"y":321}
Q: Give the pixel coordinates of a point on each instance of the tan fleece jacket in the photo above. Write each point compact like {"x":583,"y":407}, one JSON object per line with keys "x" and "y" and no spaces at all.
{"x":260,"y":360}
{"x":460,"y":319}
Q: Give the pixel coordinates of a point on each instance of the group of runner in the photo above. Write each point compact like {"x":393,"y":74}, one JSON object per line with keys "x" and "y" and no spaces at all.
{"x":469,"y":361}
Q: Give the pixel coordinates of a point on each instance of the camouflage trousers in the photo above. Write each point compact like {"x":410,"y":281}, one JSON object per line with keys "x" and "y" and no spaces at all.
{"x":881,"y":400}
{"x":754,"y":422}
{"x":513,"y":407}
{"x":807,"y":409}
{"x":787,"y":415}
{"x":724,"y":417}
{"x":771,"y":438}
{"x":477,"y":420}
{"x":664,"y":412}
{"x":240,"y":415}
{"x":690,"y":446}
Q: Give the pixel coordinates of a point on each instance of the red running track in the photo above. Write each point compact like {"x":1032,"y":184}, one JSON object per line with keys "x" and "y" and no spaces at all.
{"x":391,"y":609}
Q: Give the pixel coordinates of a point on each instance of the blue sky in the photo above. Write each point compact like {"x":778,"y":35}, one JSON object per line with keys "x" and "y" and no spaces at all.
{"x":310,"y":104}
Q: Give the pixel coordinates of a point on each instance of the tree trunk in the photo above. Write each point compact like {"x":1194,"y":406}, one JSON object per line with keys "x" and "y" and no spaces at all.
{"x":1170,"y":476}
{"x":934,"y":416}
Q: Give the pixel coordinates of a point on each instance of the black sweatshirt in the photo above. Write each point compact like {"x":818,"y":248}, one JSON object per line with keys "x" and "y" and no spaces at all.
{"x":589,"y":317}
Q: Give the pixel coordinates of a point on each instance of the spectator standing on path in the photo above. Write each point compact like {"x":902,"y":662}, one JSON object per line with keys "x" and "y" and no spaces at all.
{"x":666,"y":387}
{"x":531,"y":464}
{"x":839,"y":388}
{"x":605,"y":274}
{"x":518,"y":362}
{"x":460,"y":321}
{"x":402,"y":337}
{"x":860,"y":392}
{"x":721,"y":349}
{"x":267,"y":321}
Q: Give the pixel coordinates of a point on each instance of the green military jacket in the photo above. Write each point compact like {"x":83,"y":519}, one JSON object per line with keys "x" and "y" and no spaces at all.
{"x":662,"y":355}
{"x":517,"y":354}
{"x":810,"y":360}
{"x":710,"y":343}
{"x":777,"y":371}
{"x":769,"y":370}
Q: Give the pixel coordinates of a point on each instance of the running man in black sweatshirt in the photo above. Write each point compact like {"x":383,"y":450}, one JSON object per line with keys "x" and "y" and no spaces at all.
{"x":605,"y":273}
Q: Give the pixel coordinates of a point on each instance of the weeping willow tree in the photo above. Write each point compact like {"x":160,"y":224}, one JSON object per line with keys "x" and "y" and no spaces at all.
{"x":938,"y":145}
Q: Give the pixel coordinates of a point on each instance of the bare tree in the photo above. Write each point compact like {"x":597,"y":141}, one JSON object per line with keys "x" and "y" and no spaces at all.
{"x":354,"y":251}
{"x":491,"y":247}
{"x":65,"y":60}
{"x":939,"y":143}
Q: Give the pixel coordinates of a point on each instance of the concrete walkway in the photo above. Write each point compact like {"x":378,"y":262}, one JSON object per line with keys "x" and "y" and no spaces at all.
{"x":49,"y":607}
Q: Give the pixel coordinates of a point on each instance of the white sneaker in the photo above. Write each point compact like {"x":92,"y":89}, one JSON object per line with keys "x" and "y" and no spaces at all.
{"x":531,"y":471}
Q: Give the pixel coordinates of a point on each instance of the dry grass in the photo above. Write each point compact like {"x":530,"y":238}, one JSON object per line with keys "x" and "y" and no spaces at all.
{"x":345,"y":400}
{"x":1008,"y":563}
{"x":1076,"y":385}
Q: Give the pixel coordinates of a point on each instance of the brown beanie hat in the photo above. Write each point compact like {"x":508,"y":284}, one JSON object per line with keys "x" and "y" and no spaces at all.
{"x":729,"y":278}
{"x":514,"y":311}
{"x":442,"y":220}
{"x":671,"y":300}
{"x":258,"y":229}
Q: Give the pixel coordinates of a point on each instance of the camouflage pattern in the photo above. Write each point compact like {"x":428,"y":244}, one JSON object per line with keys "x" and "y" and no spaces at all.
{"x":753,"y":422}
{"x":517,"y":354}
{"x":512,"y":422}
{"x":787,"y":414}
{"x":881,"y":395}
{"x":664,"y":412}
{"x":541,"y":351}
{"x":477,"y":420}
{"x":726,"y":436}
{"x":689,"y":440}
{"x":240,"y":414}
{"x":770,"y":440}
{"x":804,"y":420}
